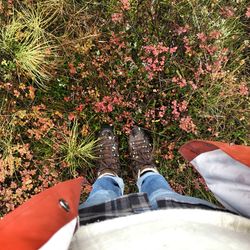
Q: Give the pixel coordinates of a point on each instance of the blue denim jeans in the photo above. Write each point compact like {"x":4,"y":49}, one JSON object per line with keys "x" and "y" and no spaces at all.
{"x":153,"y":184}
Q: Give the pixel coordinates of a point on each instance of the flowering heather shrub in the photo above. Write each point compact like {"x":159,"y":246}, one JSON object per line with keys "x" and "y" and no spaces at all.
{"x":180,"y":70}
{"x":117,"y":17}
{"x":187,"y":124}
{"x":155,"y":58}
{"x":107,"y":103}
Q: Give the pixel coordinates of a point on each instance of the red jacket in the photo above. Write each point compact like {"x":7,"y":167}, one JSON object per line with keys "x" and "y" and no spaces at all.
{"x":49,"y":219}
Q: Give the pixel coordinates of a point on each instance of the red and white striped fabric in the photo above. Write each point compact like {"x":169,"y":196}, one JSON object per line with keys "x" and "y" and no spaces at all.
{"x":226,"y":170}
{"x":47,"y":221}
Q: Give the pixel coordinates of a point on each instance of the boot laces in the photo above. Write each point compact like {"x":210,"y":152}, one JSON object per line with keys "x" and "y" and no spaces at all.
{"x":141,"y":153}
{"x":107,"y":154}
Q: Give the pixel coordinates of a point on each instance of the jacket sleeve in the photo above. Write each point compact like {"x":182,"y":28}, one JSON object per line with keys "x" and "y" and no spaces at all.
{"x":225,"y":169}
{"x":46,"y":221}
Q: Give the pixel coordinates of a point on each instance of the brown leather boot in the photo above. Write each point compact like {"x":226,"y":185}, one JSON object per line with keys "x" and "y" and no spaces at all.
{"x":141,"y":152}
{"x":107,"y":153}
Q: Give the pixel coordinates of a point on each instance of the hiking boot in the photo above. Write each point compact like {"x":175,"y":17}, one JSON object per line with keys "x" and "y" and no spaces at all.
{"x":107,"y":153}
{"x":141,"y":152}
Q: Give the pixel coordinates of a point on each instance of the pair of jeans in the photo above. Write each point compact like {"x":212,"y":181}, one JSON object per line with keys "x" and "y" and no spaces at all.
{"x":153,"y":184}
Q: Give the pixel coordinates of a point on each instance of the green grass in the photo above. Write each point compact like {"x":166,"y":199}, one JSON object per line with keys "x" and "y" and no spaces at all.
{"x":75,"y":150}
{"x":23,"y":40}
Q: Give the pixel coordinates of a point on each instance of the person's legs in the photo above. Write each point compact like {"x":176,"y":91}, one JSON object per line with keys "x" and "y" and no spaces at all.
{"x":149,"y":180}
{"x":157,"y":188}
{"x":108,"y":185}
{"x":104,"y":189}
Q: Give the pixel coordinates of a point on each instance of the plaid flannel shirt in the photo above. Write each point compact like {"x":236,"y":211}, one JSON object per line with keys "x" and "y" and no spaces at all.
{"x":132,"y":204}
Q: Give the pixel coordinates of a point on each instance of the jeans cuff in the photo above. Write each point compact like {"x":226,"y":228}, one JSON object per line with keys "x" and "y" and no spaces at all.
{"x":143,"y":177}
{"x":118,"y":180}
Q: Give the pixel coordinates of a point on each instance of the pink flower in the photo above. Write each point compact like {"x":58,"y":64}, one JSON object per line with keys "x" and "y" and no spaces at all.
{"x":109,"y":107}
{"x":80,"y":108}
{"x":215,"y":34}
{"x":115,"y":40}
{"x":117,"y":100}
{"x":71,"y":116}
{"x":107,"y":104}
{"x":125,"y":4}
{"x":180,"y":81}
{"x":173,"y":50}
{"x":248,"y":12}
{"x":208,"y":67}
{"x":66,"y":98}
{"x":155,"y":59}
{"x":186,"y":124}
{"x":187,"y":45}
{"x":72,"y":69}
{"x":117,"y":17}
{"x":162,"y":111}
{"x":178,"y":108}
{"x":211,"y":49}
{"x":175,"y":111}
{"x":180,"y":30}
{"x":227,"y":12}
{"x":183,"y":106}
{"x":99,"y":106}
{"x":194,"y":86}
{"x":243,"y":89}
{"x":202,"y":37}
